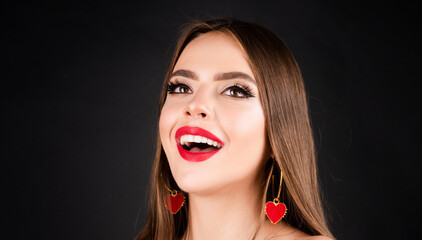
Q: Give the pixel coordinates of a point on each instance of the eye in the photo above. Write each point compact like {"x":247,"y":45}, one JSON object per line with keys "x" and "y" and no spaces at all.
{"x":238,"y":91}
{"x":178,"y":88}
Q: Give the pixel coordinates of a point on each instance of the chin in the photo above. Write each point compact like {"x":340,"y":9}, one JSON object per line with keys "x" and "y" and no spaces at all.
{"x":192,"y":183}
{"x":196,"y":183}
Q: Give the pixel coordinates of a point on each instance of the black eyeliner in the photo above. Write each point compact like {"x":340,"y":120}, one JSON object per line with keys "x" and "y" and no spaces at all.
{"x":172,"y":86}
{"x":245,"y":89}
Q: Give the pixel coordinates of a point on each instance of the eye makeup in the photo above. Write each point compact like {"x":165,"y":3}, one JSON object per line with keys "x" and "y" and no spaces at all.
{"x":236,"y":90}
{"x":178,"y":88}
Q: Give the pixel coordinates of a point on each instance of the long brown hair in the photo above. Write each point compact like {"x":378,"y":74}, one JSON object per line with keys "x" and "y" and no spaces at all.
{"x":284,"y":102}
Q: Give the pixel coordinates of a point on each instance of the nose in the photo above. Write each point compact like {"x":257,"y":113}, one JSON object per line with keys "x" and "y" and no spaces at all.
{"x":200,"y":107}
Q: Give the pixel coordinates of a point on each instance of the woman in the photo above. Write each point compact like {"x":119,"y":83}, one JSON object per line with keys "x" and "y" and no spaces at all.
{"x":235,"y":152}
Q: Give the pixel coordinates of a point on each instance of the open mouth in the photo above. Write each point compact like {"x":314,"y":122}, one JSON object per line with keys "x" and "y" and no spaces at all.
{"x":198,"y":144}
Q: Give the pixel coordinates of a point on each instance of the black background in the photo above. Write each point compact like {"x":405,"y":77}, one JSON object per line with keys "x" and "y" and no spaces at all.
{"x":79,"y":92}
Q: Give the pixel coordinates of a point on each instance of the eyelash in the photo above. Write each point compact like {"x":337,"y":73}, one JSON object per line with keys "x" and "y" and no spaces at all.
{"x":245,"y":90}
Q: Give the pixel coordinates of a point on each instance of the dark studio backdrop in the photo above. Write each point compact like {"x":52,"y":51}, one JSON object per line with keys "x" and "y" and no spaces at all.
{"x":79,"y":92}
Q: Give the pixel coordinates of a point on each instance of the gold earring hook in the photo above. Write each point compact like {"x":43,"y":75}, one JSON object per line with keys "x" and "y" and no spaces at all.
{"x":276,"y":200}
{"x":172,"y":192}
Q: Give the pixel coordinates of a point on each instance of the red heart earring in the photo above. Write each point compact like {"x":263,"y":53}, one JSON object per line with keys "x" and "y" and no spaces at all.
{"x":275,"y":210}
{"x":174,"y":201}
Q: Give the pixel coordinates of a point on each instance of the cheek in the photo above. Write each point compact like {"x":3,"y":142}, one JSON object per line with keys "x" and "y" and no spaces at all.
{"x":244,"y":123}
{"x":245,"y":127}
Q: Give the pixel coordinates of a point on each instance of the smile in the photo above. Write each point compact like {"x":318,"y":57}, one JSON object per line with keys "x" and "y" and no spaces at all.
{"x":196,"y":144}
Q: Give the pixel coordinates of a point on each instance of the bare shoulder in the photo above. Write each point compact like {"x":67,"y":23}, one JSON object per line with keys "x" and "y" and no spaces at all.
{"x":317,"y":238}
{"x":284,"y":231}
{"x":281,"y":231}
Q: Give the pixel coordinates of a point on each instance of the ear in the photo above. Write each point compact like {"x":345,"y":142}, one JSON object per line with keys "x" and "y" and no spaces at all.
{"x":272,"y":155}
{"x":270,"y":152}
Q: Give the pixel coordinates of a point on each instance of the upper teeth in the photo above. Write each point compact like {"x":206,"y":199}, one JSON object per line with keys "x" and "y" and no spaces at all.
{"x":198,"y":139}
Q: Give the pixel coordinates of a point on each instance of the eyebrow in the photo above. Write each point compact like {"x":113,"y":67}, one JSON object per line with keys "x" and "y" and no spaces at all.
{"x":217,"y":77}
{"x":185,"y":73}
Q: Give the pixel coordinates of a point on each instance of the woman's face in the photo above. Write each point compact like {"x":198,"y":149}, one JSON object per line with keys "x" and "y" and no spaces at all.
{"x":212,"y":125}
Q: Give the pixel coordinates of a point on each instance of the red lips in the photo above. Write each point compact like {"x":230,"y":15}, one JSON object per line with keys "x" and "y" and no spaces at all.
{"x":195,"y":156}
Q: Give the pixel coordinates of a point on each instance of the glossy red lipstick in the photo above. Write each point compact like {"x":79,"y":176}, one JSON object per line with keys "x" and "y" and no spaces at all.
{"x":196,"y":156}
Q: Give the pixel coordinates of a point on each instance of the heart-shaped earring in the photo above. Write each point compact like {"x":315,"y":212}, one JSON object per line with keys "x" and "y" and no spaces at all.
{"x":174,"y":201}
{"x":275,"y":210}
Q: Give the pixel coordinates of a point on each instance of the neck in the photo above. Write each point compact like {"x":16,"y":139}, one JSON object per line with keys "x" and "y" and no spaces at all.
{"x":229,"y":213}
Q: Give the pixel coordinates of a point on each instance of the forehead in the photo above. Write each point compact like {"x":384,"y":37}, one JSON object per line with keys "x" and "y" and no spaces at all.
{"x":214,"y":52}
